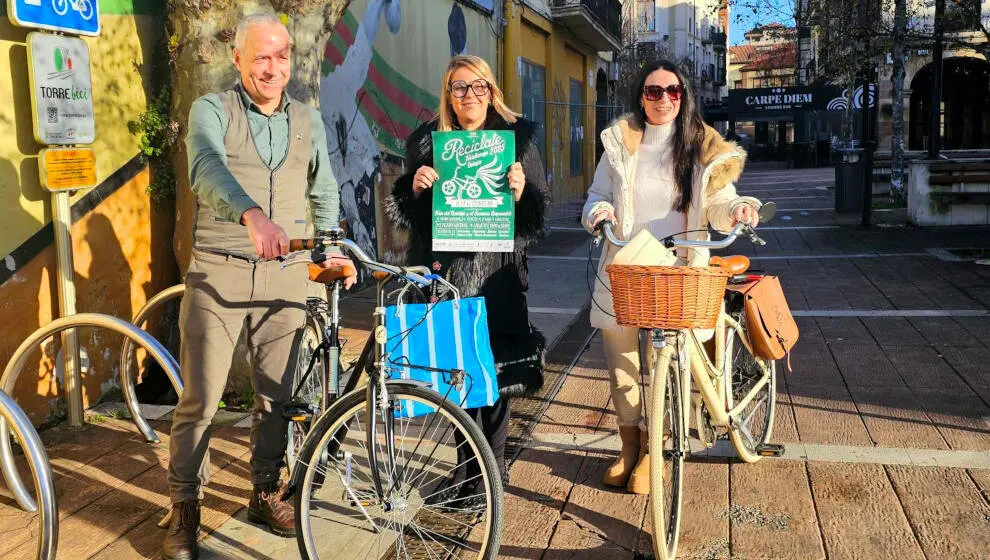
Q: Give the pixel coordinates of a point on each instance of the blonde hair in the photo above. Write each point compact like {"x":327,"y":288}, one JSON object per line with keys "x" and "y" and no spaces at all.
{"x":445,"y":112}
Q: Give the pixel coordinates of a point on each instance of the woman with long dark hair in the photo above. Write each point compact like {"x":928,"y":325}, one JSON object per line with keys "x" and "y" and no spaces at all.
{"x":471,"y":100}
{"x":667,"y":172}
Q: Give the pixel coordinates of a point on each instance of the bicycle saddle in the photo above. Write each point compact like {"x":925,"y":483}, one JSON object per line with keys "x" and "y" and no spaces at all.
{"x":329,"y":275}
{"x":736,"y":264}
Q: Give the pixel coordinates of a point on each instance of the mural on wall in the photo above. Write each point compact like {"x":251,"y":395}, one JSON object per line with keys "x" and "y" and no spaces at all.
{"x":352,"y":145}
{"x":369,"y":107}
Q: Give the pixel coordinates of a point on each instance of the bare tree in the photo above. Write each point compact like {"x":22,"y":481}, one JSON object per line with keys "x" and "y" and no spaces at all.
{"x":899,"y":48}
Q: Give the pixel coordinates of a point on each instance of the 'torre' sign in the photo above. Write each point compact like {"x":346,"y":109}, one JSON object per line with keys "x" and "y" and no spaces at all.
{"x":61,"y":89}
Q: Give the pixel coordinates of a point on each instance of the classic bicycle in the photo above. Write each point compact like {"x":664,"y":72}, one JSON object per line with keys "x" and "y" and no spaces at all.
{"x":390,"y":484}
{"x":736,"y":389}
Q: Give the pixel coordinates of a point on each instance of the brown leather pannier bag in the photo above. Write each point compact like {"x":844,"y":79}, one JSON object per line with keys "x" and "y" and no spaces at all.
{"x":770,"y":325}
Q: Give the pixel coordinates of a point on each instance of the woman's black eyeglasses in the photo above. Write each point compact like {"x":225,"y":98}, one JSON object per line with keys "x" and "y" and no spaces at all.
{"x":460,"y":88}
{"x":654,"y":93}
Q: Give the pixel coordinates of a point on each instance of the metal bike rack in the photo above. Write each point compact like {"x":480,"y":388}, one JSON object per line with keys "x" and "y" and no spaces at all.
{"x":38,"y":460}
{"x":126,"y":377}
{"x":20,"y":356}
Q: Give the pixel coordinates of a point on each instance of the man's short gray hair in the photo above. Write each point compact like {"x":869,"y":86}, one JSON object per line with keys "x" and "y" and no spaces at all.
{"x":240,"y":35}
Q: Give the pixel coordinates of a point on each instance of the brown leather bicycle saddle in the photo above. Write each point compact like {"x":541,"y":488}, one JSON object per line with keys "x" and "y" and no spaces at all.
{"x":736,"y":264}
{"x":329,"y":275}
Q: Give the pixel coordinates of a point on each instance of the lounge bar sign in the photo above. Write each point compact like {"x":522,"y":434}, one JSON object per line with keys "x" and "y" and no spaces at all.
{"x":784,"y":101}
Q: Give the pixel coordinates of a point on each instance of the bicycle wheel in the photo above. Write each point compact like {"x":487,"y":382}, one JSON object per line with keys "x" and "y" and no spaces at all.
{"x":755,"y":421}
{"x":307,"y":389}
{"x":434,"y":503}
{"x":667,"y":442}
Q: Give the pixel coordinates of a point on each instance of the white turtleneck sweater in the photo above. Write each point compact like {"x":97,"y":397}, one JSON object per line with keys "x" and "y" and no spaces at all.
{"x":654,"y":189}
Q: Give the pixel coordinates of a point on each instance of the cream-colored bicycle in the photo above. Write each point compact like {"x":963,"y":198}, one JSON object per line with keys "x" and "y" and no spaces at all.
{"x":736,"y":390}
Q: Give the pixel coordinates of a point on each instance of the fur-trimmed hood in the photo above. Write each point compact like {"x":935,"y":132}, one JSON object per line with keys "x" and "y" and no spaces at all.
{"x":720,"y":161}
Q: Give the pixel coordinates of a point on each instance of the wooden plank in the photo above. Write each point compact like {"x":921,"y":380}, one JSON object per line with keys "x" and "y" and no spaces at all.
{"x":859,"y":513}
{"x":773,"y":513}
{"x":945,"y":509}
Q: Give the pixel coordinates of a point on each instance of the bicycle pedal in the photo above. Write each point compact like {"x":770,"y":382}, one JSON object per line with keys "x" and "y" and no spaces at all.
{"x":770,"y":450}
{"x":297,"y":412}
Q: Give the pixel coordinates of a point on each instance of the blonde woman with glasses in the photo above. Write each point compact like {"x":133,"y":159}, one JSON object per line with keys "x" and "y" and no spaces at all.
{"x":471,"y":100}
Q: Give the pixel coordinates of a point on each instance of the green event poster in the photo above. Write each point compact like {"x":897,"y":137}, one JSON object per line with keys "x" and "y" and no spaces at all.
{"x":473,"y":209}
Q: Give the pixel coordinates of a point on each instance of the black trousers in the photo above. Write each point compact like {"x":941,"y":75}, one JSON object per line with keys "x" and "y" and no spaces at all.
{"x":494,"y":423}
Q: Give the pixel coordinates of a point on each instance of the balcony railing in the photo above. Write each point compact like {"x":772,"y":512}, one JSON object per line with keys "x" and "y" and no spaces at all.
{"x":606,"y":15}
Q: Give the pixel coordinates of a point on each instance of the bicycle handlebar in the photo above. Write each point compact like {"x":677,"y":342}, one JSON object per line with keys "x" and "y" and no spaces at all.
{"x":671,"y":243}
{"x":334,"y":237}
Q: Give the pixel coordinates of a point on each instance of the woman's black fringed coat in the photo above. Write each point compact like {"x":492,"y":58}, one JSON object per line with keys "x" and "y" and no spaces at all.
{"x":501,"y":278}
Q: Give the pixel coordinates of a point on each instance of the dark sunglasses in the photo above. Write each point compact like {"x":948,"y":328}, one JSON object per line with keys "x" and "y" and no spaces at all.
{"x":460,"y":88}
{"x":654,"y":93}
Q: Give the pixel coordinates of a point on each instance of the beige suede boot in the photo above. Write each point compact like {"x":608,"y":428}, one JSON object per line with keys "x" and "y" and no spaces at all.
{"x":639,"y":480}
{"x":617,"y":474}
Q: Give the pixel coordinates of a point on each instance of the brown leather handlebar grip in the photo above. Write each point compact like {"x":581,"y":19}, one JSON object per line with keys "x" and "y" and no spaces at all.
{"x":301,"y":244}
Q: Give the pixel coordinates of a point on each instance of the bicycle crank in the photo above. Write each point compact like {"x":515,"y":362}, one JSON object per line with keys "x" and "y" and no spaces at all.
{"x":703,"y":422}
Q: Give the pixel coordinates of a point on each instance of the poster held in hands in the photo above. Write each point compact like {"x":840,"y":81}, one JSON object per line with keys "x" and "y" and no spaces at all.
{"x":473,"y":208}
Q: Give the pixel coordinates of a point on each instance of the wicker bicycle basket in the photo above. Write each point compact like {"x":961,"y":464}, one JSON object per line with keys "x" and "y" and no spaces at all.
{"x":666,"y":297}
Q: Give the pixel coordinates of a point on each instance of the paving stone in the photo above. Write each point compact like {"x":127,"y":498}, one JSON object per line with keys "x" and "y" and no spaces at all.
{"x":865,"y":365}
{"x":894,"y":418}
{"x":784,"y":426}
{"x":973,"y":364}
{"x":946,"y":511}
{"x":574,"y":540}
{"x":960,"y":416}
{"x":706,"y":498}
{"x":844,"y":330}
{"x":894,"y":286}
{"x":894,"y":331}
{"x":945,"y":332}
{"x":859,"y":513}
{"x":924,"y":367}
{"x":813,"y":365}
{"x":577,"y":408}
{"x":978,"y":327}
{"x":603,"y":509}
{"x":828,"y":415}
{"x":809,"y":331}
{"x":982,"y":479}
{"x":773,"y":513}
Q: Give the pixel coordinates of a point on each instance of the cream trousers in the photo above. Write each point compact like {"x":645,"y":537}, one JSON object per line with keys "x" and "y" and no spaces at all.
{"x":622,"y":357}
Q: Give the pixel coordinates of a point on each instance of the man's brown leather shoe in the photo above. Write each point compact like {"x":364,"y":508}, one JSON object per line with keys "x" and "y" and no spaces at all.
{"x":267,"y":508}
{"x":183,"y":532}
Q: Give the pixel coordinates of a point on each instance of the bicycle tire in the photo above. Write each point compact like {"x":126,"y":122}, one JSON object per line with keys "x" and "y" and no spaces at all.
{"x":746,"y":369}
{"x":667,"y":465}
{"x":333,"y":422}
{"x":312,"y":370}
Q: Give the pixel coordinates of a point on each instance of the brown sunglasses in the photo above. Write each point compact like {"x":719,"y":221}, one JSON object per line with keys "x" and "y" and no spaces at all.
{"x":654,"y":93}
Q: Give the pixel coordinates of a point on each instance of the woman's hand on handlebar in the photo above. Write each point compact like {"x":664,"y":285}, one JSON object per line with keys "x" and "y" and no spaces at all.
{"x":602,"y":217}
{"x":745,"y":214}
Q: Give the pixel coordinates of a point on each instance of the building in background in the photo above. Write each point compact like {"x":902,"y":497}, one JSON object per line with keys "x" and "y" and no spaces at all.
{"x":691,"y":34}
{"x":556,"y":71}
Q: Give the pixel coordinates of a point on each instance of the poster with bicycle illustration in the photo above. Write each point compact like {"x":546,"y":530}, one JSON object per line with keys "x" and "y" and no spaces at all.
{"x":473,"y":208}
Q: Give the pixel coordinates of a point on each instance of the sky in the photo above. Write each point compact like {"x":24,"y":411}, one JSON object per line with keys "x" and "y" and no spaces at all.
{"x":747,"y":14}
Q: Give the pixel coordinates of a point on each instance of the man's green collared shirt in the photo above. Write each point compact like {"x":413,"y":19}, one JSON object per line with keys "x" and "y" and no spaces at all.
{"x":212,"y":181}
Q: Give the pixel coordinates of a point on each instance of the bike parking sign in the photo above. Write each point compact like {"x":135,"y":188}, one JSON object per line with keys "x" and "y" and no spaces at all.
{"x":80,"y":17}
{"x":473,"y":209}
{"x":61,"y":89}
